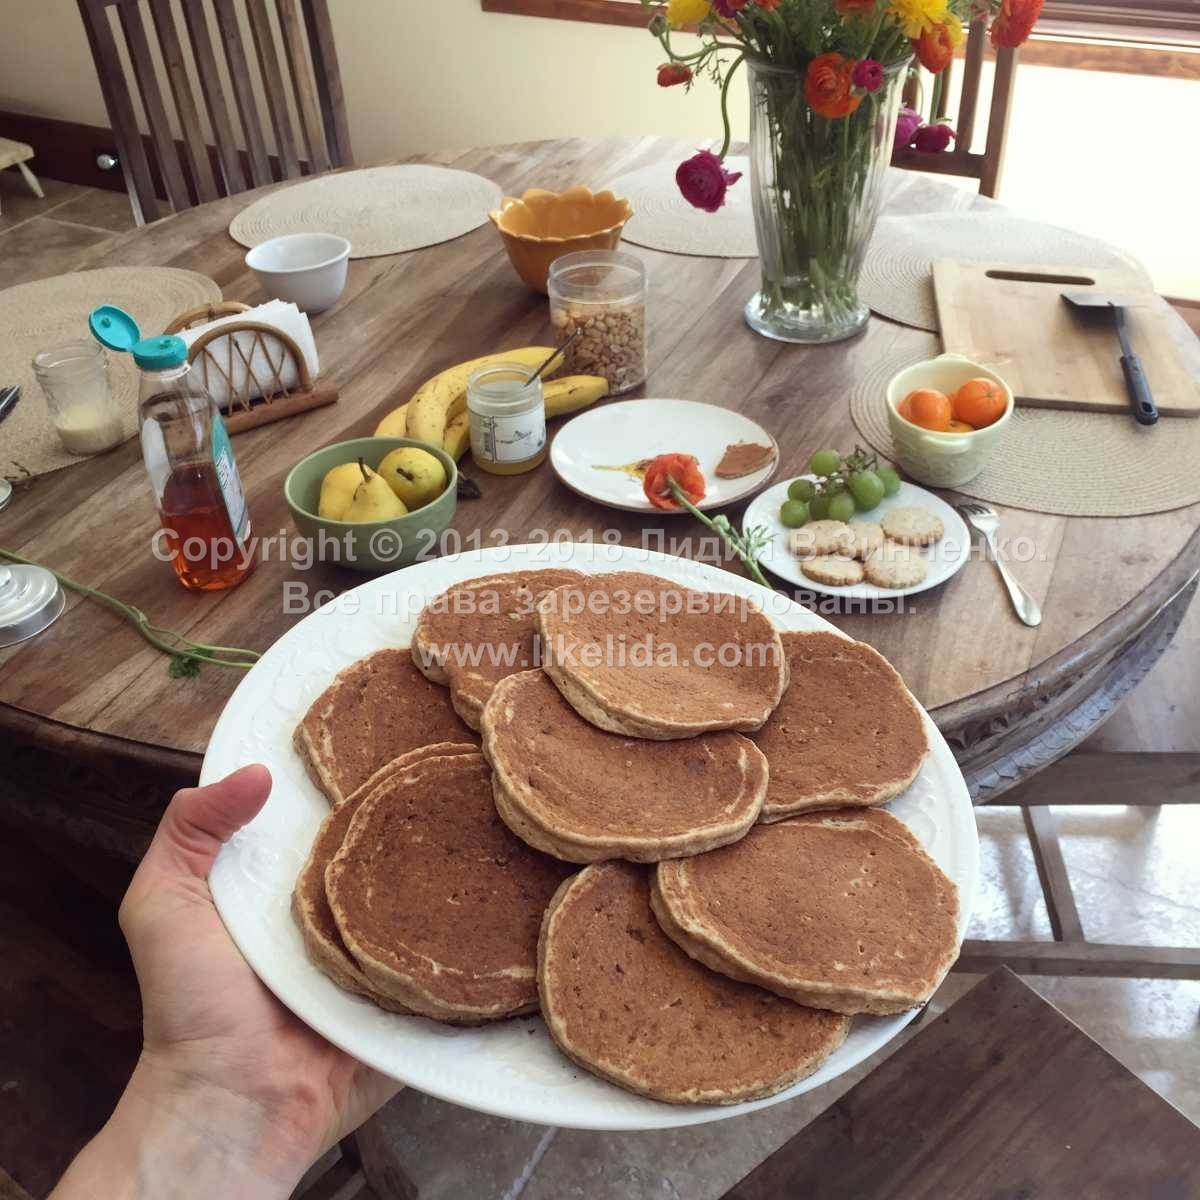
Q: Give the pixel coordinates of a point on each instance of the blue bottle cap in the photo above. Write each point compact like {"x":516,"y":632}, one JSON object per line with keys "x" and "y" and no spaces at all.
{"x":118,"y":330}
{"x":114,"y":327}
{"x":160,"y":353}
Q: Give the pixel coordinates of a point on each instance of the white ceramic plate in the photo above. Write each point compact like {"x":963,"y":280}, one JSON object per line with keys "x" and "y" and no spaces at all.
{"x":617,"y":434}
{"x":510,"y":1069}
{"x":945,"y":557}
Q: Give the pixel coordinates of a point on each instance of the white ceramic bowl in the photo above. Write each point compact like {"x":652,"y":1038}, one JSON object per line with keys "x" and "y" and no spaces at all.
{"x":942,"y":459}
{"x":307,"y":269}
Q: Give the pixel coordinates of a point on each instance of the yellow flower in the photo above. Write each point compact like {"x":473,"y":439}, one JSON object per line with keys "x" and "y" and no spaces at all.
{"x":955,"y":26}
{"x":916,"y":16}
{"x":686,"y":12}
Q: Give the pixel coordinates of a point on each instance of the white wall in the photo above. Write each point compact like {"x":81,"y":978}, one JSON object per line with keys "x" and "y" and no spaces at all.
{"x":418,"y":76}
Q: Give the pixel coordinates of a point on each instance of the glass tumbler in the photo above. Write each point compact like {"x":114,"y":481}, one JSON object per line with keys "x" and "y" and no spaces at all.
{"x":74,"y":377}
{"x":601,"y":295}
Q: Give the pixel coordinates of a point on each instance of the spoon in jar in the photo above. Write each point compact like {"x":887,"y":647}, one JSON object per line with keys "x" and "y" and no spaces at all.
{"x":559,"y":353}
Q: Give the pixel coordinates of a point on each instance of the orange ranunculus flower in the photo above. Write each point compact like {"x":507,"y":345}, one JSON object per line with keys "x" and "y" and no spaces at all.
{"x":829,"y":84}
{"x":935,"y":48}
{"x":1015,"y":21}
{"x":856,"y":8}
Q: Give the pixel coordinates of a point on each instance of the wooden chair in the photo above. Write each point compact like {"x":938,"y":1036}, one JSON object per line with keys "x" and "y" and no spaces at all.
{"x":297,"y":74}
{"x":961,"y":160}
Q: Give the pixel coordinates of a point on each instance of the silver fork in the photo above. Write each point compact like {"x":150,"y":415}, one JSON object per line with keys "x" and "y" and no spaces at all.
{"x":986,"y":520}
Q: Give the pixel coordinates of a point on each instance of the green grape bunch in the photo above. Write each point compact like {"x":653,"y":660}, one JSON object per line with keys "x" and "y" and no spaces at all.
{"x":843,"y":486}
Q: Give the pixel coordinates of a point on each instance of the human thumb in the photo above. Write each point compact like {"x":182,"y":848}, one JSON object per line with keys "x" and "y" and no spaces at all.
{"x":199,"y":821}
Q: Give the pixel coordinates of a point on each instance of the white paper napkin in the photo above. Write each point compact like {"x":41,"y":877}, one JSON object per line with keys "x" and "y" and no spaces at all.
{"x":252,"y":360}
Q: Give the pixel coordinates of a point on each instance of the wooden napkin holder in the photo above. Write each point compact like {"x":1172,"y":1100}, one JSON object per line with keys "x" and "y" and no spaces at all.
{"x":263,"y":398}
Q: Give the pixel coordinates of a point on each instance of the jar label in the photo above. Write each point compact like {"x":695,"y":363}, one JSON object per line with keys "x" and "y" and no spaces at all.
{"x":508,"y":439}
{"x":229,"y":481}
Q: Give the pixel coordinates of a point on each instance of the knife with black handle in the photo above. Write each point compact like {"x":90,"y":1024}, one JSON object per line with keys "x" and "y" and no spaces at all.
{"x":1140,"y":396}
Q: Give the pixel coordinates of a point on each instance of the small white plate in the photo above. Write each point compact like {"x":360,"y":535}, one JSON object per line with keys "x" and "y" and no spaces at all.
{"x":617,"y":434}
{"x":945,"y":556}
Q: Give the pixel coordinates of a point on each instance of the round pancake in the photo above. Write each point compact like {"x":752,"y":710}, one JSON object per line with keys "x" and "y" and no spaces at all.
{"x":582,"y":794}
{"x":847,"y":732}
{"x":837,"y":909}
{"x":436,"y":901}
{"x":624,"y":1002}
{"x":310,"y":905}
{"x":491,"y":619}
{"x":641,"y":656}
{"x":373,"y":712}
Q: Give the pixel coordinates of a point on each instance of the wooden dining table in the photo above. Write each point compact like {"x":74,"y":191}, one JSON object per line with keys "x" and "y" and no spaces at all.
{"x":94,"y":731}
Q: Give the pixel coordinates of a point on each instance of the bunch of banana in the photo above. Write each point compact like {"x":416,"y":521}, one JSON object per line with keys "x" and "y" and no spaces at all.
{"x":437,"y":413}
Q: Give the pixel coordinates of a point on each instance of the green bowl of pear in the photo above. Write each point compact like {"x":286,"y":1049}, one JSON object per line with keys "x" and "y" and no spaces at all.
{"x":373,"y":503}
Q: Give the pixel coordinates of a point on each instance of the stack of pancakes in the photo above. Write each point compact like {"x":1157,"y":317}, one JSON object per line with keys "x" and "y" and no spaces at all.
{"x":669,"y":841}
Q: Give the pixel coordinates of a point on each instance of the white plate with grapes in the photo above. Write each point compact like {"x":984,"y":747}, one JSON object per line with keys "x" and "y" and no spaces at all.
{"x":855,"y":489}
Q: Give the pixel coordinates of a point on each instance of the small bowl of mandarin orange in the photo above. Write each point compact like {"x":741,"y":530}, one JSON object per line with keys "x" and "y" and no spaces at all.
{"x":946,"y":416}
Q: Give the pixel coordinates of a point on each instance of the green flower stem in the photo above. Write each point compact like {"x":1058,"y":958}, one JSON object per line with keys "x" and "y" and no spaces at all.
{"x":166,"y":640}
{"x":729,"y":74}
{"x":720,"y":525}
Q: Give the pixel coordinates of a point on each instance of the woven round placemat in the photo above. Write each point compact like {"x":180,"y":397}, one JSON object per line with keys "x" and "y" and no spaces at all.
{"x":378,"y":210}
{"x":664,"y":220}
{"x":48,"y":312}
{"x":897,"y":276}
{"x":1075,"y":464}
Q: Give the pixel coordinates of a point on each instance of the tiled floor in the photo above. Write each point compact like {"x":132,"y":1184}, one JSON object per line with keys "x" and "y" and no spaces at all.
{"x":46,"y":237}
{"x":1134,"y":870}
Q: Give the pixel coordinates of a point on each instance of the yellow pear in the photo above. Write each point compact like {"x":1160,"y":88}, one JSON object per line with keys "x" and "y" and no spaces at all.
{"x":373,"y":499}
{"x":337,"y":490}
{"x":415,"y":475}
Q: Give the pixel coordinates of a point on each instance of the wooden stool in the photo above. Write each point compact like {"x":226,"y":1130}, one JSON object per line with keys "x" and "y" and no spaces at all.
{"x":17,"y":154}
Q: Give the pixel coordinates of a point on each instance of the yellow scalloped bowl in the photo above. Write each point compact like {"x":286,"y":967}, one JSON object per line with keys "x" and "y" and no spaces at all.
{"x":542,"y":226}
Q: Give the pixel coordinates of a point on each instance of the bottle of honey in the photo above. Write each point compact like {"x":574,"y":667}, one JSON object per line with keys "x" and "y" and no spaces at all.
{"x":202,"y":507}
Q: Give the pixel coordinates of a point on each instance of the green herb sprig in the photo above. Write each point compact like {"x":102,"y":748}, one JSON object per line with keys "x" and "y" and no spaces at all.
{"x":747,"y":546}
{"x":187,"y":656}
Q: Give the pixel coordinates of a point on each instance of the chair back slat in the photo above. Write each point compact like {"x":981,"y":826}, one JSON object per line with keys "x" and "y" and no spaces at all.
{"x":216,"y":103}
{"x":273,"y":87}
{"x":194,"y":149}
{"x":243,"y":91}
{"x":972,"y":76}
{"x":119,"y":102}
{"x":291,"y":26}
{"x":161,"y":136}
{"x":329,"y":81}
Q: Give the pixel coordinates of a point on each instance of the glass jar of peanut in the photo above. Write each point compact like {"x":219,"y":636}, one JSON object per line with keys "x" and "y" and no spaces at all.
{"x":601,"y":294}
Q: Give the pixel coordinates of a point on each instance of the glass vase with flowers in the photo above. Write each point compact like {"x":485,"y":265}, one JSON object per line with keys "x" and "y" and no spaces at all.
{"x":826,"y":78}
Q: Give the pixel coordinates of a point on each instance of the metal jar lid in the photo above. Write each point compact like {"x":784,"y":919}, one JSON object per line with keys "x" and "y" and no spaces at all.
{"x":30,"y":600}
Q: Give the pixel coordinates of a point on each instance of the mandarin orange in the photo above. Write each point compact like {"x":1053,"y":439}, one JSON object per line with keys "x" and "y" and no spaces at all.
{"x":957,"y":426}
{"x":979,"y":402}
{"x":928,"y":408}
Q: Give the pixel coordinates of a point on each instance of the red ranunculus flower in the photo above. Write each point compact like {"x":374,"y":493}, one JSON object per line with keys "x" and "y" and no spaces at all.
{"x":1015,"y":21}
{"x":703,"y":180}
{"x":669,"y":74}
{"x":828,"y":86}
{"x":767,"y":5}
{"x":907,"y":125}
{"x":728,"y":8}
{"x":856,"y":8}
{"x":935,"y":48}
{"x":867,"y":75}
{"x":933,"y":139}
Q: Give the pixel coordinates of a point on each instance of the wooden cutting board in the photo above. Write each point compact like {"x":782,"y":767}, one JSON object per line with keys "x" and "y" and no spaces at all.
{"x":1014,"y":320}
